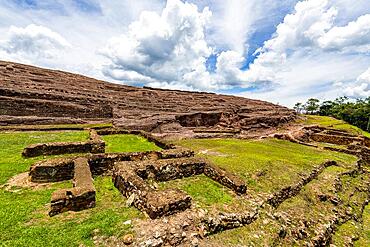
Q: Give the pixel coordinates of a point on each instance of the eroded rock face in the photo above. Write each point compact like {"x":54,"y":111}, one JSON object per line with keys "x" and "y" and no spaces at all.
{"x":31,"y":95}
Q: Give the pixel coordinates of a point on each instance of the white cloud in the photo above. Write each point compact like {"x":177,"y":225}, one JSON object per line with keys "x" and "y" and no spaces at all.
{"x":167,"y":43}
{"x":298,"y":31}
{"x":168,"y":47}
{"x":32,"y":42}
{"x":362,"y":86}
{"x":309,"y":52}
{"x":354,"y":36}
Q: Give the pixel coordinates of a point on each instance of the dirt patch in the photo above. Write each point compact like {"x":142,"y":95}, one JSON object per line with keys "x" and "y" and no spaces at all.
{"x":23,"y":180}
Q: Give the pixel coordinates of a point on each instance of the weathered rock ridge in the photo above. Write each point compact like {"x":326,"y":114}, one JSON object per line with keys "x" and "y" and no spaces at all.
{"x":31,"y":95}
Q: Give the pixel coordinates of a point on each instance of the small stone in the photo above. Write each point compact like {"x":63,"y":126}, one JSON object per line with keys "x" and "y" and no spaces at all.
{"x":127,"y":222}
{"x":185,"y":224}
{"x":128,"y":239}
{"x":157,"y":235}
{"x":130,"y":200}
{"x":194,"y":242}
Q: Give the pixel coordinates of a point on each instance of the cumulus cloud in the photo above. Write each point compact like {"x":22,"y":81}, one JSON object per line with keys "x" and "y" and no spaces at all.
{"x":310,"y":36}
{"x":166,"y":47}
{"x":355,"y":35}
{"x":182,"y":45}
{"x":32,"y":42}
{"x":361,"y":88}
{"x":298,"y":31}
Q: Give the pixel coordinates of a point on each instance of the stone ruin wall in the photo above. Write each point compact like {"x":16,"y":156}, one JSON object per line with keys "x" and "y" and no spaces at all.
{"x":129,"y":171}
{"x":94,"y":145}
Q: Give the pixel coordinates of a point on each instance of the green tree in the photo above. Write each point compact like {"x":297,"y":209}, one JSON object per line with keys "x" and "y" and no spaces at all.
{"x":312,"y":106}
{"x":298,"y":107}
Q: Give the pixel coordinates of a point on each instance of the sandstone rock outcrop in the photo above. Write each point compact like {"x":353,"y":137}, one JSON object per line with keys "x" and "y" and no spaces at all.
{"x":31,"y":95}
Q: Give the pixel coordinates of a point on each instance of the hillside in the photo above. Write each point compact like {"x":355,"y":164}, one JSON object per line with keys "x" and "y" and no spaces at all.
{"x":31,"y":95}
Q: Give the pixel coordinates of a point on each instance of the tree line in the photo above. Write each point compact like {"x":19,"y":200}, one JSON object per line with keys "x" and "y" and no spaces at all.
{"x":355,"y":112}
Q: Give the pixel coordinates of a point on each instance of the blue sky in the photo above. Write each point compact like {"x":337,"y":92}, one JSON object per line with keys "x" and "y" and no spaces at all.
{"x":280,"y":51}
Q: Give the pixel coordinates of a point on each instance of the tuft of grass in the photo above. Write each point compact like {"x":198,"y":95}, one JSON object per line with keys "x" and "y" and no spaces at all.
{"x":128,"y":143}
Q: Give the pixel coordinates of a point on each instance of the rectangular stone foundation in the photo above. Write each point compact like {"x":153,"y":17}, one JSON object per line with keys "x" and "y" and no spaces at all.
{"x":154,"y":203}
{"x":129,"y":178}
{"x":81,"y":197}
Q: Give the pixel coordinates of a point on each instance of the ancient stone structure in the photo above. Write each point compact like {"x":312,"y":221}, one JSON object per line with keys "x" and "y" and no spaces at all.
{"x":129,"y":177}
{"x":81,"y":196}
{"x":31,"y":95}
{"x":94,"y":145}
{"x":129,"y":170}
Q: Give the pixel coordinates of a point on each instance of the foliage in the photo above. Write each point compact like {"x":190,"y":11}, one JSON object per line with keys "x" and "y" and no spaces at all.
{"x":312,"y":105}
{"x":355,"y":112}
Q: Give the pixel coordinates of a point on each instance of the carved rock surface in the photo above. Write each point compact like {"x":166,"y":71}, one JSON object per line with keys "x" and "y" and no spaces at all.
{"x":31,"y":95}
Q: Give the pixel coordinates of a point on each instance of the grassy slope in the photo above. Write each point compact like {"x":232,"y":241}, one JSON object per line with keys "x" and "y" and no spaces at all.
{"x":332,"y":123}
{"x":266,"y":165}
{"x":23,"y":212}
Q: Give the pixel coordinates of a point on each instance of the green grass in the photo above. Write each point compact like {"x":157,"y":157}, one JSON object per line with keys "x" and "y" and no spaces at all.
{"x":332,"y":123}
{"x":128,"y":143}
{"x":266,"y":165}
{"x":204,"y":191}
{"x":13,"y":143}
{"x":58,"y":126}
{"x":23,"y":212}
{"x":24,"y":219}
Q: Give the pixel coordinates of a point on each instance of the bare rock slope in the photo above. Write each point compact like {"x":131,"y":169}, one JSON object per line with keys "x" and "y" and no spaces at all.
{"x":31,"y":95}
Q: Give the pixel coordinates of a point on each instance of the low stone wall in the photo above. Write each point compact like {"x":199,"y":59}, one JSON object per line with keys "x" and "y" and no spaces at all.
{"x":103,"y":164}
{"x":338,"y":132}
{"x":170,"y":169}
{"x":94,"y":145}
{"x":335,"y":139}
{"x":81,"y":196}
{"x":52,"y":170}
{"x":292,"y":190}
{"x":57,"y":148}
{"x":177,"y":152}
{"x":225,"y":178}
{"x":59,"y":169}
{"x":222,"y":222}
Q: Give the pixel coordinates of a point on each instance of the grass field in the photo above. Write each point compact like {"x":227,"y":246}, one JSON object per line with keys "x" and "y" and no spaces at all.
{"x":23,"y":212}
{"x":265,"y":165}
